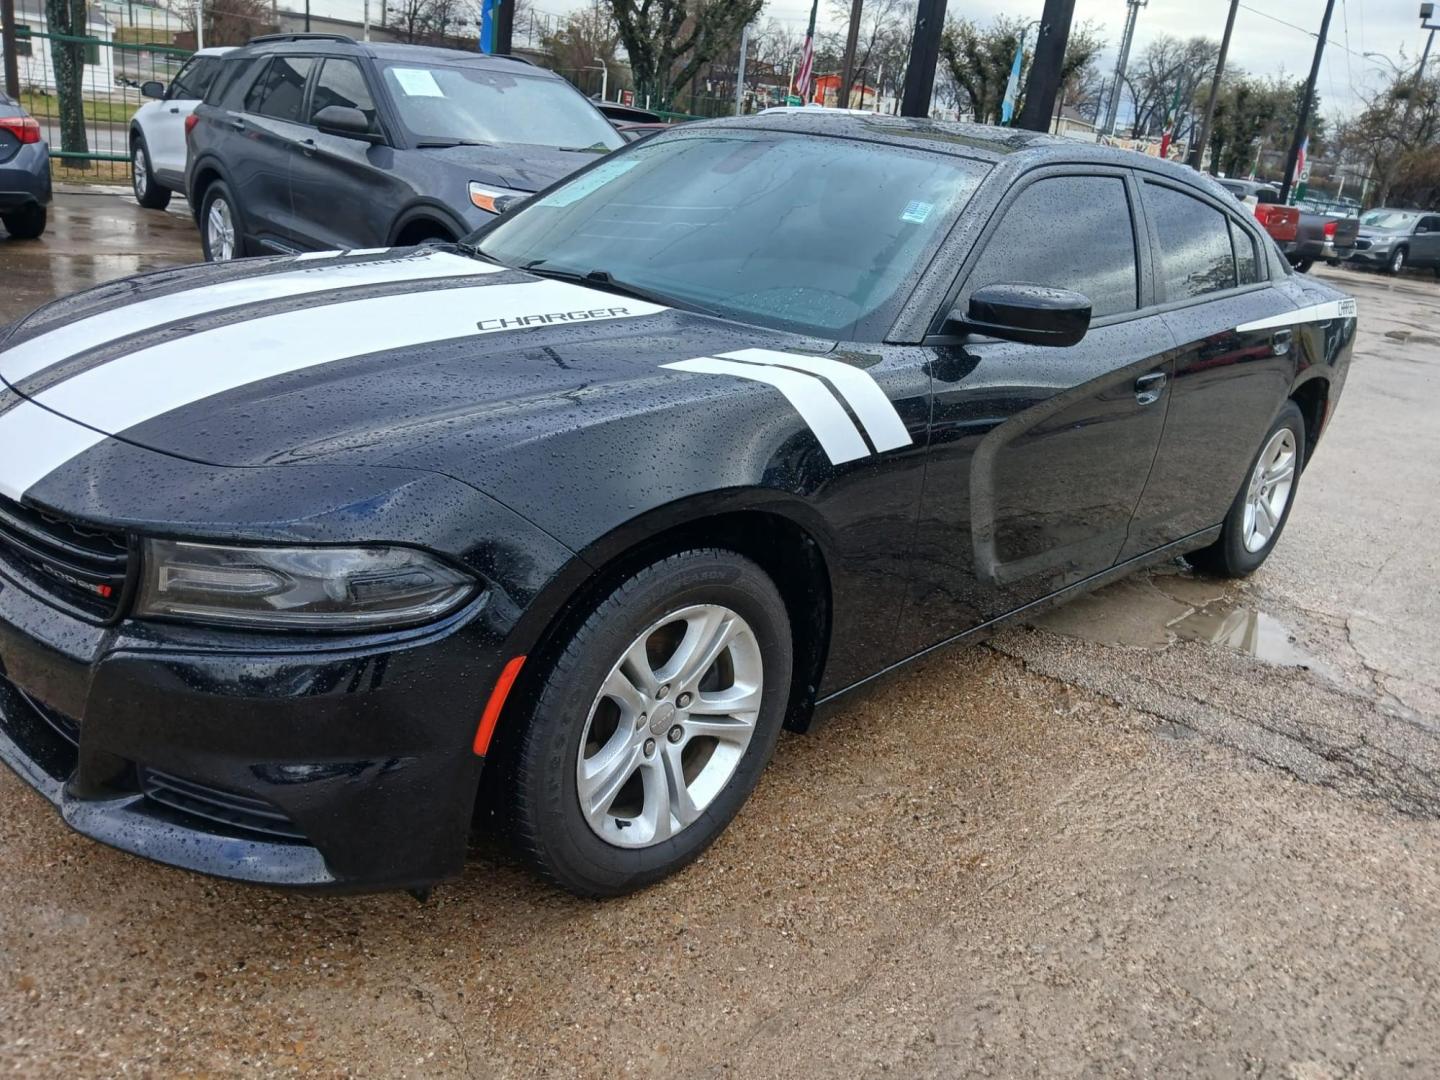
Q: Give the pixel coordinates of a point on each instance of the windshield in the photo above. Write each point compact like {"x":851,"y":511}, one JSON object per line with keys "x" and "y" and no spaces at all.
{"x":445,"y":104}
{"x":814,"y":234}
{"x":1389,"y":219}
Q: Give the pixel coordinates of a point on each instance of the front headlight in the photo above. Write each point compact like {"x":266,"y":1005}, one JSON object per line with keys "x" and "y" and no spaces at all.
{"x":297,"y":588}
{"x":497,"y":200}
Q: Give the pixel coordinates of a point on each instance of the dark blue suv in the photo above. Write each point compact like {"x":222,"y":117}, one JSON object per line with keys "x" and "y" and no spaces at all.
{"x":317,"y":142}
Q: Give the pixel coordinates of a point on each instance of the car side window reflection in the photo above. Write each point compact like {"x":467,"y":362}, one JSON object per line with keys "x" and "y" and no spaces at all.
{"x":281,"y":90}
{"x":1247,"y":260}
{"x":1069,"y":232}
{"x":1195,"y":252}
{"x":342,"y":83}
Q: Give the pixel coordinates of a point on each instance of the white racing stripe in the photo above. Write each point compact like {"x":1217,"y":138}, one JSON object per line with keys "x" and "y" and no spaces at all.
{"x":865,"y":398}
{"x":132,"y":389}
{"x":807,"y":395}
{"x":1334,"y":309}
{"x":53,"y":346}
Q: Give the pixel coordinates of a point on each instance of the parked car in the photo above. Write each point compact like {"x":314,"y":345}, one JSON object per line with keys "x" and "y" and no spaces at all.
{"x":157,"y":130}
{"x":24,"y":172}
{"x":1303,"y":236}
{"x":303,"y":558}
{"x":309,"y":142}
{"x":1393,"y":239}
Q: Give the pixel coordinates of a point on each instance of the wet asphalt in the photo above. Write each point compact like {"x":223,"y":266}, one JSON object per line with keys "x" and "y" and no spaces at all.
{"x":1180,"y":827}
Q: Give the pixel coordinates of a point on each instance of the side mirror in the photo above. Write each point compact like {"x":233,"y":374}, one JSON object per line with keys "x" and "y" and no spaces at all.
{"x":346,"y":122}
{"x":1033,"y":314}
{"x":152,"y":89}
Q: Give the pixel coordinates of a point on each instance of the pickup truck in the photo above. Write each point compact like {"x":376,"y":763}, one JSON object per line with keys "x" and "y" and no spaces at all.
{"x":1303,"y":237}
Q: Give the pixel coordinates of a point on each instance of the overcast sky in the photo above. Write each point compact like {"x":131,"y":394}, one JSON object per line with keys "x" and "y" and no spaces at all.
{"x":1262,"y":45}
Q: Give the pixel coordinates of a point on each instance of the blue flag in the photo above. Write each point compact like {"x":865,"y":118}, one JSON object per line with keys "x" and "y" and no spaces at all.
{"x":488,"y":10}
{"x":1012,"y":88}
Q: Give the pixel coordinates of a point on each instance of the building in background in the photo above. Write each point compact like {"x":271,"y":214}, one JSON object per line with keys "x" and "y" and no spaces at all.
{"x":32,"y":52}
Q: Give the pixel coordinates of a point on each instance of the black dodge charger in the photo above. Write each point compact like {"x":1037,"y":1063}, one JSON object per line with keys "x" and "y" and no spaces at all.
{"x":309,"y":563}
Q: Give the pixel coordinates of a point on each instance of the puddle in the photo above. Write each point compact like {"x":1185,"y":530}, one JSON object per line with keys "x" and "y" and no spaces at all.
{"x":1253,"y":632}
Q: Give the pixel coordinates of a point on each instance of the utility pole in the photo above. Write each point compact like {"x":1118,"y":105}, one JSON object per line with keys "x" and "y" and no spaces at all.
{"x":740,"y":70}
{"x":200,"y":22}
{"x":1307,"y":104}
{"x":1197,"y":152}
{"x":847,"y":68}
{"x":504,"y":26}
{"x":1128,"y":39}
{"x":1046,"y":67}
{"x":7,"y":43}
{"x":924,"y":54}
{"x":365,"y":22}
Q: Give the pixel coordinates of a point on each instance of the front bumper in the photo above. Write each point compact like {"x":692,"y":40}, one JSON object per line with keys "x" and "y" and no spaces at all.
{"x":325,"y":764}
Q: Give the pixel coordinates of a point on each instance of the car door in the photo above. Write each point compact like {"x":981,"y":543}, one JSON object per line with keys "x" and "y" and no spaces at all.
{"x":343,"y":189}
{"x":1039,"y":454}
{"x":1222,"y":297}
{"x":165,"y":135}
{"x":271,"y":127}
{"x":1425,"y":244}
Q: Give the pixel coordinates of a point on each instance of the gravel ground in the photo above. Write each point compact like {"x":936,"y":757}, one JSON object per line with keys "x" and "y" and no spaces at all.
{"x":1178,"y":828}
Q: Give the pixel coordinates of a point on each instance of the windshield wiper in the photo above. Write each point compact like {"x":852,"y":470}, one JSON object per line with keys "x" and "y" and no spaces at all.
{"x":593,"y":148}
{"x":603,"y":279}
{"x":445,"y":144}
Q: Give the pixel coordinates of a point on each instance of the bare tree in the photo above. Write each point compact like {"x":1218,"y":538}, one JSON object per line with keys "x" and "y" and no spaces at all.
{"x":878,"y":20}
{"x":1395,"y":138}
{"x":669,"y":41}
{"x":979,"y":61}
{"x":587,"y":34}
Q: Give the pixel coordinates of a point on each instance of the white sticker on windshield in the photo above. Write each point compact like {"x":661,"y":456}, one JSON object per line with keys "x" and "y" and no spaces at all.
{"x":917,"y":212}
{"x":417,"y":82}
{"x":593,"y":180}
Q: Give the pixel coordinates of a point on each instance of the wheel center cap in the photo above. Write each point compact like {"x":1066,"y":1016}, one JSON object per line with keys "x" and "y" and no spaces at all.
{"x":662,"y":718}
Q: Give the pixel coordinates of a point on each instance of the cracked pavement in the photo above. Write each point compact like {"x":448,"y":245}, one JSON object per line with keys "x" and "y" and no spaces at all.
{"x":1180,"y":827}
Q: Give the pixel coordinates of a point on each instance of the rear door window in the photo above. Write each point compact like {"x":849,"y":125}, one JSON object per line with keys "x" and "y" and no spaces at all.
{"x":1068,"y":232}
{"x":1196,"y":256}
{"x":1247,"y":256}
{"x":280,"y":92}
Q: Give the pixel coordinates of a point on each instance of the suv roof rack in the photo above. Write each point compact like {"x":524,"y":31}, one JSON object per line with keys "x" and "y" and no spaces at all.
{"x":300,"y":37}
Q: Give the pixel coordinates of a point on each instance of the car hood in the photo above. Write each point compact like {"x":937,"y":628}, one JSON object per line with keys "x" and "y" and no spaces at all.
{"x":421,"y":358}
{"x":528,"y":168}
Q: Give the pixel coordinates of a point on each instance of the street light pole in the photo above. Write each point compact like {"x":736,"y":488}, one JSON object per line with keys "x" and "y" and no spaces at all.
{"x":1303,"y":123}
{"x":740,"y":70}
{"x":847,"y":67}
{"x":1113,"y":108}
{"x":1197,"y":152}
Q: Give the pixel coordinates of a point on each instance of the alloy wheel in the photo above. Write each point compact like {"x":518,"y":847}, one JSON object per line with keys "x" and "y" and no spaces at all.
{"x":1270,"y":486}
{"x":220,"y":231}
{"x":140,"y":170}
{"x":1397,"y":262}
{"x":669,"y":726}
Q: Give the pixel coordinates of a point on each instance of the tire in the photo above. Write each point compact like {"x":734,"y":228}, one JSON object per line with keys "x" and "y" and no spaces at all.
{"x":218,"y":195}
{"x":149,"y":193}
{"x":27,"y":223}
{"x":1232,"y":556}
{"x":1397,"y":261}
{"x":573,"y":726}
{"x":1304,"y":266}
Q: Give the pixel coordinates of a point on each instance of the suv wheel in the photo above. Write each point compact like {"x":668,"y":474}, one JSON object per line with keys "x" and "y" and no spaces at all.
{"x":222,"y":234}
{"x":653,"y":724}
{"x":1397,"y":261}
{"x":148,"y":192}
{"x":26,"y":223}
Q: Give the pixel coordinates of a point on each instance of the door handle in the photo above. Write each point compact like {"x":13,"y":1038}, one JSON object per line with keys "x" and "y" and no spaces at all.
{"x":1148,"y":388}
{"x":308,"y":147}
{"x":238,"y":125}
{"x":1280,"y":342}
{"x":175,"y":111}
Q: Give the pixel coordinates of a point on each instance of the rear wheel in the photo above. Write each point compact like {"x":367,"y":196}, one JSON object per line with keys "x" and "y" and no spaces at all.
{"x":148,"y":192}
{"x":222,"y":234}
{"x":1304,"y":266}
{"x":1260,"y":510}
{"x":26,"y":223}
{"x":652,"y":726}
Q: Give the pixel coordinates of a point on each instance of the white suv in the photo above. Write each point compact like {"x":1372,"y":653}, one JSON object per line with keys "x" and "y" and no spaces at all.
{"x":157,"y":130}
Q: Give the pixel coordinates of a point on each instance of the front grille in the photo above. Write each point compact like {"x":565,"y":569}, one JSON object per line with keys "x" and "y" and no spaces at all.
{"x":81,"y":566}
{"x":222,"y":807}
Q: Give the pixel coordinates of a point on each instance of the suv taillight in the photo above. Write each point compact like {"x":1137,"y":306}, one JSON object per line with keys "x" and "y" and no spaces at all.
{"x":25,"y":128}
{"x":190,"y":122}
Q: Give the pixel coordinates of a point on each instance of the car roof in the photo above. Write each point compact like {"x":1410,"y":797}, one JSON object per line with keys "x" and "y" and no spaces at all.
{"x":983,"y":142}
{"x":215,"y":50}
{"x":340,"y":45}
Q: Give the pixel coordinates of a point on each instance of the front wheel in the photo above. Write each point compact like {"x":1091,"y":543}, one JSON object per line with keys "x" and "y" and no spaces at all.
{"x":1397,"y":262}
{"x":652,"y":725}
{"x":1260,"y":510}
{"x":27,"y":223}
{"x":149,"y":193}
{"x":1304,"y":266}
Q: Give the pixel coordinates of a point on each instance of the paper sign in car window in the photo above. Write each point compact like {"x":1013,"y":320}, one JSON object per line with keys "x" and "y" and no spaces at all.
{"x":917,"y":212}
{"x":593,"y":180}
{"x":417,"y":82}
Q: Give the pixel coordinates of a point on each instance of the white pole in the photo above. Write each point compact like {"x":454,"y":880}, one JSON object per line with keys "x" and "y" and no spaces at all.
{"x":365,"y":32}
{"x":740,"y":71}
{"x":199,"y":25}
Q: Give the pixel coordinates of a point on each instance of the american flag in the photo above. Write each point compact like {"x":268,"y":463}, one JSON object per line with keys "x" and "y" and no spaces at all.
{"x":807,"y":59}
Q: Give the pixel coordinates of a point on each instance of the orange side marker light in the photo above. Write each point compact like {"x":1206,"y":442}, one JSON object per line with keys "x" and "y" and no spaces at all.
{"x":491,"y":716}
